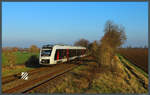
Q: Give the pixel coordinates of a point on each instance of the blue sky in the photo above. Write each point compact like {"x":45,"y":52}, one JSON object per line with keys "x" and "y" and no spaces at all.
{"x":24,"y":24}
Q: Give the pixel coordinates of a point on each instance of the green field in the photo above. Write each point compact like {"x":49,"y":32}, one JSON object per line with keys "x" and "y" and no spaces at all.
{"x":21,"y":57}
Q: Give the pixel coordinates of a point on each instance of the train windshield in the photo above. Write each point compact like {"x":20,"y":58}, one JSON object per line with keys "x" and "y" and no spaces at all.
{"x":46,"y":52}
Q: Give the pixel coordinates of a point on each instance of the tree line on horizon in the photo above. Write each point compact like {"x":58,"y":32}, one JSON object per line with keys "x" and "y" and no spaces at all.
{"x":32,"y":49}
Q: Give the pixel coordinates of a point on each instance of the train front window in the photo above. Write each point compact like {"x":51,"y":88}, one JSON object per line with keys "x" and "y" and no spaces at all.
{"x":46,"y":52}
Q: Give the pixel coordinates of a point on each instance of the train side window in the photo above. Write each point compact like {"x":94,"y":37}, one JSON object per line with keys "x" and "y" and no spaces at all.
{"x":65,"y":52}
{"x":78,"y":52}
{"x":72,"y":52}
{"x":60,"y":54}
{"x":69,"y":52}
{"x":83,"y":51}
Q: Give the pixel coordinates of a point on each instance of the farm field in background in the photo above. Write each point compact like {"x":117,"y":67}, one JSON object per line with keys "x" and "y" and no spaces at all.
{"x":137,"y":56}
{"x":21,"y":57}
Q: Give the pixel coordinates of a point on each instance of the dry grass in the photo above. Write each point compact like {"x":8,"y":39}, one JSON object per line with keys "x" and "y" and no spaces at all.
{"x":89,"y":78}
{"x":121,"y":82}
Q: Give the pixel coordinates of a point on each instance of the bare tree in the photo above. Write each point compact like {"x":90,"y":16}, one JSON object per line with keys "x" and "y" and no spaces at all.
{"x":82,"y":42}
{"x":113,"y":38}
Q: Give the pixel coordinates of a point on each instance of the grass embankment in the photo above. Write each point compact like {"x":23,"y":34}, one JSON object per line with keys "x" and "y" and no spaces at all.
{"x":19,"y":65}
{"x":89,"y":78}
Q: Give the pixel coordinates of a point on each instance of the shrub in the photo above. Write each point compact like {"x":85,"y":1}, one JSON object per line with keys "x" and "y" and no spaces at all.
{"x":11,"y":58}
{"x":33,"y":49}
{"x":14,"y":49}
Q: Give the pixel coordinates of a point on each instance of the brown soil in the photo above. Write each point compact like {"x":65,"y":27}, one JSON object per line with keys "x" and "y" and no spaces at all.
{"x":137,"y":56}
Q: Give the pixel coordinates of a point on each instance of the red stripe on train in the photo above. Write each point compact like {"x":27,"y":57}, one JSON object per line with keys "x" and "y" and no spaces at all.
{"x":58,"y":55}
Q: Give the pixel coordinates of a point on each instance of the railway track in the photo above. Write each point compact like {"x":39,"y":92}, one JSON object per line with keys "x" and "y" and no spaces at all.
{"x":35,"y":82}
{"x":13,"y":77}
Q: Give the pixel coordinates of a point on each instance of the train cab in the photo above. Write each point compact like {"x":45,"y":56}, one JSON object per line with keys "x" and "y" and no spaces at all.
{"x":45,"y":54}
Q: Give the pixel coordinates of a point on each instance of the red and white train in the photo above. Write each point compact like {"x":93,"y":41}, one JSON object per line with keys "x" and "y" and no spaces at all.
{"x":53,"y":54}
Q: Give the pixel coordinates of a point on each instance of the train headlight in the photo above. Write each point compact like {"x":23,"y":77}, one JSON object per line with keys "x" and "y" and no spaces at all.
{"x":45,"y":61}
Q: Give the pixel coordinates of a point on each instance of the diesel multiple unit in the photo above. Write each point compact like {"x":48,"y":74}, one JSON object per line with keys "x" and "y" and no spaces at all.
{"x":53,"y":54}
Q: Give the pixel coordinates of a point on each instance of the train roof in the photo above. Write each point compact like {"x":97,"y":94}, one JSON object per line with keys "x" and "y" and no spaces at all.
{"x":67,"y":47}
{"x":47,"y":46}
{"x":59,"y":46}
